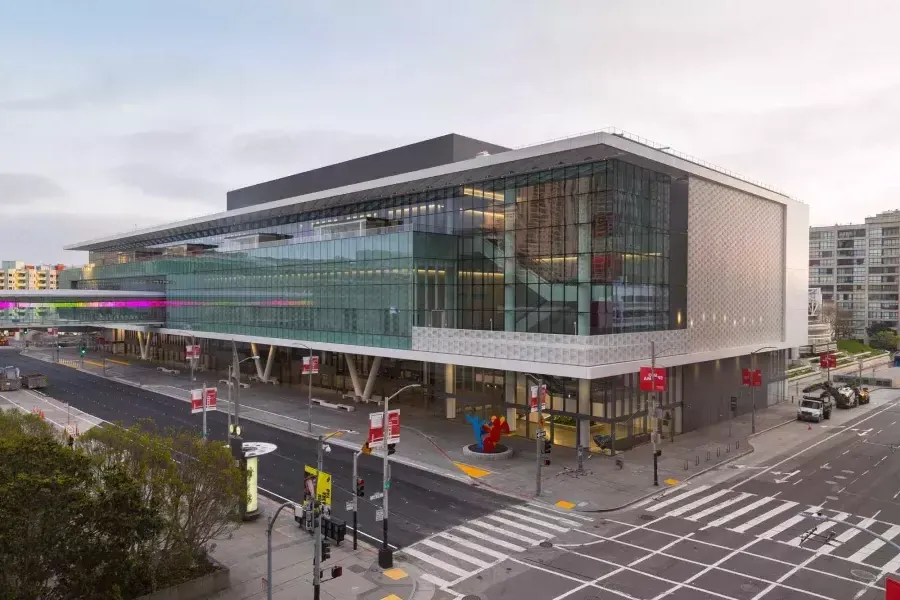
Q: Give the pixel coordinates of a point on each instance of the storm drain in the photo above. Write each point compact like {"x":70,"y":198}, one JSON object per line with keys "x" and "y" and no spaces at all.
{"x":471,"y":597}
{"x":647,"y":517}
{"x":546,"y":544}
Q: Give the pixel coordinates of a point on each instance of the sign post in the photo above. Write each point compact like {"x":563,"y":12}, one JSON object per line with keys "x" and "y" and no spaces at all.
{"x":828,"y":360}
{"x":752,"y":378}
{"x":310,"y":367}
{"x":203,"y":400}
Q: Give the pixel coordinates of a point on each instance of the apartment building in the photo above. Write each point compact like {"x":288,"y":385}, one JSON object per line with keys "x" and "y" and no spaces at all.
{"x":857,"y":267}
{"x":17,"y":275}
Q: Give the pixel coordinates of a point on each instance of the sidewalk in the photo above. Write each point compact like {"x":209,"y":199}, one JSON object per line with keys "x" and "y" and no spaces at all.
{"x":435,"y":444}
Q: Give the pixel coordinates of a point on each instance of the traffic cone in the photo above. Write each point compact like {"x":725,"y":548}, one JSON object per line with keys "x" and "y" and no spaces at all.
{"x":42,"y":415}
{"x":809,"y":428}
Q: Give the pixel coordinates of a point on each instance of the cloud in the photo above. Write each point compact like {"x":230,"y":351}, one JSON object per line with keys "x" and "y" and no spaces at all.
{"x":20,"y":188}
{"x":160,"y":143}
{"x":160,"y":182}
{"x":306,"y":149}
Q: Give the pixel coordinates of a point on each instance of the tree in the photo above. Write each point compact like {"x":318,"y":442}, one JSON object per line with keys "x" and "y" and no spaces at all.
{"x":878,"y":326}
{"x":886,"y":339}
{"x":841,"y":321}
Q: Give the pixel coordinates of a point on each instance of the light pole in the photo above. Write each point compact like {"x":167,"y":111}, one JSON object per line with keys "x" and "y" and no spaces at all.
{"x":309,"y":406}
{"x":317,"y":518}
{"x":269,"y":549}
{"x":753,"y":388}
{"x":385,"y":556}
{"x":236,"y":372}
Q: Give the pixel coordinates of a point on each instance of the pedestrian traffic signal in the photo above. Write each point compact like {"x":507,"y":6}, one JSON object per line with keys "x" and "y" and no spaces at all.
{"x":326,"y":550}
{"x":360,"y":487}
{"x":82,"y":351}
{"x":548,"y":446}
{"x":392,"y":448}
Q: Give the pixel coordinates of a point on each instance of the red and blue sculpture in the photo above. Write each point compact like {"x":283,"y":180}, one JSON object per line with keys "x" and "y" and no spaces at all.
{"x":488,"y":434}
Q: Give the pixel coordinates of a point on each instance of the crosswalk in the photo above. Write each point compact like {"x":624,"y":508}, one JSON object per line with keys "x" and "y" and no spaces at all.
{"x":785,"y":521}
{"x":450,"y":556}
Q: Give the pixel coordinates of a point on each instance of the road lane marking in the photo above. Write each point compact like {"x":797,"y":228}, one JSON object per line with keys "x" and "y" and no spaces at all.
{"x":694,"y":577}
{"x":677,"y":498}
{"x":545,"y":508}
{"x":471,"y":471}
{"x":783,"y":526}
{"x":696,"y":503}
{"x":765,"y":517}
{"x":435,"y":581}
{"x":819,"y":529}
{"x":483,"y":536}
{"x":473,"y":546}
{"x":533,"y":521}
{"x":862,"y":554}
{"x":847,"y":535}
{"x":518,"y":525}
{"x":510,"y":534}
{"x":712,"y":509}
{"x":454,"y":553}
{"x":844,"y":452}
{"x":563,"y":520}
{"x":741,"y":511}
{"x":444,"y":566}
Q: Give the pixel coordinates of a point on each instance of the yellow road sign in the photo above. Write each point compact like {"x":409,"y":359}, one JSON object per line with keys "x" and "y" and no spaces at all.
{"x":323,"y":484}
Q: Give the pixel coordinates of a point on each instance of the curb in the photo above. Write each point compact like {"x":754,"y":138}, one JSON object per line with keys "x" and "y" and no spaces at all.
{"x":674,"y":487}
{"x":782,"y":424}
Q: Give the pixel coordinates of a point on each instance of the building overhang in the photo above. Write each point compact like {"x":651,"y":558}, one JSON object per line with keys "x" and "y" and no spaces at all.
{"x":567,"y":152}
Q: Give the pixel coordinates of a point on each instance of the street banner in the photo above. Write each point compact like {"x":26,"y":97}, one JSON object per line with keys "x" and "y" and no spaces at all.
{"x":306,"y":365}
{"x":653,"y":379}
{"x":538,"y":393}
{"x":191,"y":351}
{"x":751,"y":377}
{"x":211,"y":398}
{"x":323,"y":483}
{"x":827,"y":360}
{"x":891,"y":589}
{"x":197,"y":400}
{"x":376,"y":429}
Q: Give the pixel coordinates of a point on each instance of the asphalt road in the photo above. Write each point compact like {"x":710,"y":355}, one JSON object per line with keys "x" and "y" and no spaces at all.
{"x":421,"y":503}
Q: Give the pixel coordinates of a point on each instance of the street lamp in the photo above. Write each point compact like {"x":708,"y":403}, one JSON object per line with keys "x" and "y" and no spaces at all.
{"x":236,"y":372}
{"x":385,"y":556}
{"x":309,"y":406}
{"x":753,"y":388}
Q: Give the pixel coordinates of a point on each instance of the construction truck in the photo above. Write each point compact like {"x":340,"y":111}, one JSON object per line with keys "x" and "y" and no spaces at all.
{"x":824,"y":404}
{"x":4,"y":341}
{"x":862,"y":395}
{"x":11,"y":379}
{"x":843,"y":397}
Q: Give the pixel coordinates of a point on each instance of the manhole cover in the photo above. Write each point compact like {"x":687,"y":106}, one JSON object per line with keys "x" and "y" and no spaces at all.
{"x":648,"y":517}
{"x":470,"y":596}
{"x":749,"y":587}
{"x":864,"y":575}
{"x":546,"y":544}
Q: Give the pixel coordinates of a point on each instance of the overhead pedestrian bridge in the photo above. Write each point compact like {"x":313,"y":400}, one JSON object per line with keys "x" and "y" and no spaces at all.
{"x":20,"y":309}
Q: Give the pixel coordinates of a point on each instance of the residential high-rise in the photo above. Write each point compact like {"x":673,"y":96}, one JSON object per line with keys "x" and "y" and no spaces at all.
{"x":17,"y":275}
{"x":857,"y":267}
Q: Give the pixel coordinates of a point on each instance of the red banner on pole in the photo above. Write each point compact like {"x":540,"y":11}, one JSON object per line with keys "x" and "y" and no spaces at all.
{"x":376,"y":428}
{"x":653,"y":379}
{"x":827,"y":360}
{"x":306,"y":365}
{"x":891,"y":589}
{"x":538,"y":401}
{"x":751,"y":377}
{"x":211,"y":398}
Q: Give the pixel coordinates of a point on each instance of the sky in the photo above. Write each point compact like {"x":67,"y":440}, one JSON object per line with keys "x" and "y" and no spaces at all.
{"x":121,"y":115}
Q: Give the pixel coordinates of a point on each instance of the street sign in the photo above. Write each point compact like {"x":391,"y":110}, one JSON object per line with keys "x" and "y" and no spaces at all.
{"x":827,"y":360}
{"x":191,"y":351}
{"x":733,"y":403}
{"x":306,"y":365}
{"x":323,"y":484}
{"x":349,"y":506}
{"x":535,"y":394}
{"x":379,"y":515}
{"x":541,"y":434}
{"x":197,"y":400}
{"x":751,"y":377}
{"x":376,"y":496}
{"x":653,"y":379}
{"x":376,"y":429}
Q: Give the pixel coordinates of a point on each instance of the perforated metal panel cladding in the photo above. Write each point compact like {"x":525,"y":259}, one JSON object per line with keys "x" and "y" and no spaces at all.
{"x":736,"y":268}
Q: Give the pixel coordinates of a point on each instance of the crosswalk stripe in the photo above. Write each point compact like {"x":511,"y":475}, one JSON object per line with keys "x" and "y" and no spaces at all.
{"x":510,"y":534}
{"x":544,"y":508}
{"x":533,"y":521}
{"x":483,"y":536}
{"x":783,"y":526}
{"x":863,"y":553}
{"x":518,"y":525}
{"x":549,"y":516}
{"x":820,"y":528}
{"x":455,"y":553}
{"x":473,"y":546}
{"x":892,"y":565}
{"x":765,"y":517}
{"x":741,"y":511}
{"x":677,"y":498}
{"x":437,"y":581}
{"x":692,"y":505}
{"x":848,"y":535}
{"x":712,"y":509}
{"x":435,"y":562}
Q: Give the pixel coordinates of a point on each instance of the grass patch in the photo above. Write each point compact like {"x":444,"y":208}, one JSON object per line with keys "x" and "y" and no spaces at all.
{"x":852,"y":346}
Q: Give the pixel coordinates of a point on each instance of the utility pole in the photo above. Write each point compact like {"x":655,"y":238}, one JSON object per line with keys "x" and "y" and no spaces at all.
{"x":236,"y":371}
{"x":355,"y":489}
{"x":657,"y":433}
{"x":191,"y":361}
{"x":204,"y":412}
{"x":385,"y":556}
{"x":753,"y":392}
{"x":539,"y":438}
{"x":230,"y":404}
{"x":317,"y":524}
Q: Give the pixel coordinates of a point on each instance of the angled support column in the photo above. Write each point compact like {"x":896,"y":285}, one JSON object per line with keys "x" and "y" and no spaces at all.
{"x":450,"y":388}
{"x":270,"y":360}
{"x":373,"y":375}
{"x":354,"y":376}
{"x":144,"y":344}
{"x":259,"y":368}
{"x":263,"y":372}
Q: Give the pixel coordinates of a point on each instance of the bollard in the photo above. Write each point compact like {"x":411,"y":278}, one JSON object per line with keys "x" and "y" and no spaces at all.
{"x":737,"y":444}
{"x":707,"y":456}
{"x":685,"y":465}
{"x":728,"y":448}
{"x":718,"y":451}
{"x":697,"y":461}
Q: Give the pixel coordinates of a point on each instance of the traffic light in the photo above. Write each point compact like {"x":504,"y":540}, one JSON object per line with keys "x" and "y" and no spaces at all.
{"x":326,"y":550}
{"x":548,"y":446}
{"x":83,"y":350}
{"x":392,"y":448}
{"x":366,"y":449}
{"x":360,"y":487}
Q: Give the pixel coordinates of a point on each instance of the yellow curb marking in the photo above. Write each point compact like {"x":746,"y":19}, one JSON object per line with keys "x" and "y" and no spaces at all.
{"x":91,"y":362}
{"x":671,"y":482}
{"x":395,"y":574}
{"x":392,"y":597}
{"x":471,"y":471}
{"x":119,"y":362}
{"x":335,"y":434}
{"x":565,"y":504}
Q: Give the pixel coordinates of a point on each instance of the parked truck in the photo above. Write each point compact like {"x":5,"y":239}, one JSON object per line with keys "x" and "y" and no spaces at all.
{"x":825,"y":402}
{"x":811,"y":410}
{"x":34,"y":381}
{"x":11,"y":379}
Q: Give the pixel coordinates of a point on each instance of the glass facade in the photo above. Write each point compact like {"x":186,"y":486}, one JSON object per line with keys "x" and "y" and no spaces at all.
{"x":583,"y":250}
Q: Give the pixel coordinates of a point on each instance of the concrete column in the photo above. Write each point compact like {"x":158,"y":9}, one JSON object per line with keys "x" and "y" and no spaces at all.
{"x":450,"y":388}
{"x":584,"y":265}
{"x":509,"y":260}
{"x":270,"y":360}
{"x":259,"y":367}
{"x":373,"y":375}
{"x":144,"y":344}
{"x":354,"y":377}
{"x":509,"y":395}
{"x":584,"y":408}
